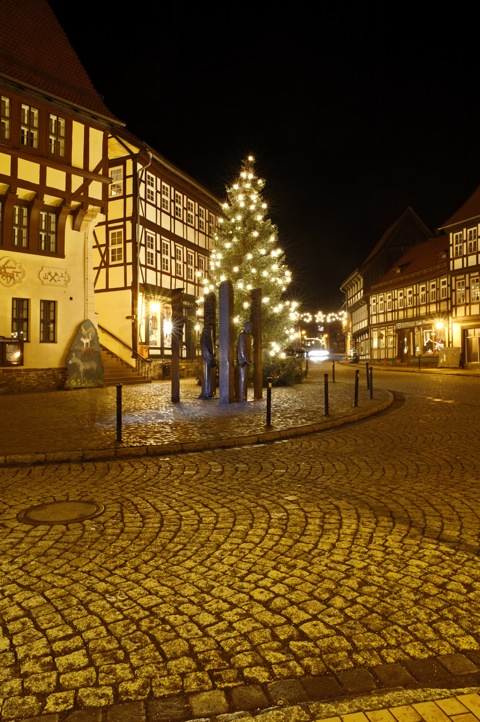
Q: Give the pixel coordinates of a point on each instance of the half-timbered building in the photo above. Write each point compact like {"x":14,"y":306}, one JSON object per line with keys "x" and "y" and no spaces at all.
{"x":463,"y":230}
{"x":410,"y":306}
{"x":153,"y":246}
{"x":54,"y":184}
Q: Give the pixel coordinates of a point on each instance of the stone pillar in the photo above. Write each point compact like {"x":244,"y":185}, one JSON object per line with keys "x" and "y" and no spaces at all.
{"x":226,"y":371}
{"x":209,"y":319}
{"x":256,"y":318}
{"x":177,"y":334}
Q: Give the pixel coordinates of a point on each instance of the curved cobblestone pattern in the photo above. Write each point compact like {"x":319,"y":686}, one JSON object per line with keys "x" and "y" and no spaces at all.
{"x":254,"y":582}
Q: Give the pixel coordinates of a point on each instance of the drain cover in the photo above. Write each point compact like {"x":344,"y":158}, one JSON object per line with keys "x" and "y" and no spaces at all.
{"x":60,"y":512}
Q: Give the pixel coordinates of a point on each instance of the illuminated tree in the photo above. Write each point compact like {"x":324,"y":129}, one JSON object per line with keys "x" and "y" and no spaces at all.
{"x":246,"y":252}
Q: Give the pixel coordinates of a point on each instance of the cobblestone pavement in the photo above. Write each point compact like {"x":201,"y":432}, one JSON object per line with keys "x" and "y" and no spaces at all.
{"x":331,"y":575}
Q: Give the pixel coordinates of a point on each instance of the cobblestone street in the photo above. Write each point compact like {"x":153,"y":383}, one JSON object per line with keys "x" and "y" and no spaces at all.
{"x":292,"y":579}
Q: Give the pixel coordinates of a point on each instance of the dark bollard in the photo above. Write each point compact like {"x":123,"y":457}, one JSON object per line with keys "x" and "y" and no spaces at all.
{"x":333,"y":372}
{"x":306,"y":368}
{"x":325,"y":383}
{"x":357,"y":373}
{"x":119,"y":413}
{"x":419,"y":358}
{"x":370,"y":385}
{"x":269,"y":400}
{"x":368,"y":375}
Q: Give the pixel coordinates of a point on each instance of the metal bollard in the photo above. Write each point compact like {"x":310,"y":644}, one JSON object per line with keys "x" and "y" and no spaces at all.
{"x":370,"y":385}
{"x":119,"y":413}
{"x":306,"y":368}
{"x":333,"y":372}
{"x":325,"y":383}
{"x":357,"y":374}
{"x":269,"y":400}
{"x":368,"y":375}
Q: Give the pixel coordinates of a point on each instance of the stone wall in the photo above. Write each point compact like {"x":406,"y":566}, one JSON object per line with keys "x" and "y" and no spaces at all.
{"x":20,"y":380}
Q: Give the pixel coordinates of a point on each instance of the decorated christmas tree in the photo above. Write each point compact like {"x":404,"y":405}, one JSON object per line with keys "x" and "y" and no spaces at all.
{"x":246,"y":252}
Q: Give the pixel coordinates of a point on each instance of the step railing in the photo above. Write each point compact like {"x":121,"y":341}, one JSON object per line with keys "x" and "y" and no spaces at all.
{"x":142,"y":365}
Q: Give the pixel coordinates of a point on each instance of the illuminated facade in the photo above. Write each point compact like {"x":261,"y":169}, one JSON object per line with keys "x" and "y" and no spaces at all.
{"x":155,"y":242}
{"x":53,"y":190}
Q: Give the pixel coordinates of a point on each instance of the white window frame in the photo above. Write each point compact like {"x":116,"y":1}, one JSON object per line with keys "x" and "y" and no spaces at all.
{"x":389,"y":301}
{"x":179,"y":261}
{"x":472,"y":240}
{"x":458,"y":244}
{"x":116,"y":181}
{"x":190,"y":212}
{"x":460,"y":292}
{"x":4,"y":117}
{"x":150,"y":188}
{"x":165,"y":256}
{"x":409,"y":297}
{"x":201,"y":219}
{"x":150,"y":249}
{"x":56,"y":135}
{"x":433,"y":291}
{"x":423,"y":294}
{"x":115,"y":245}
{"x":401,"y":299}
{"x":475,"y":289}
{"x":48,"y":231}
{"x":443,"y":288}
{"x":381,"y":303}
{"x":178,"y":205}
{"x":20,"y":227}
{"x":190,"y":266}
{"x":29,"y":120}
{"x":165,"y":197}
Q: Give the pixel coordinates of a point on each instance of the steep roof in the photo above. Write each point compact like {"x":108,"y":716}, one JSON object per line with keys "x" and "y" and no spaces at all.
{"x":35,"y":51}
{"x":467,"y":212}
{"x":408,"y":217}
{"x":429,"y":256}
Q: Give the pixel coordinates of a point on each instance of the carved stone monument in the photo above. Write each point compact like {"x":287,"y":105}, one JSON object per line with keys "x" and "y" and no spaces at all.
{"x":84,"y":360}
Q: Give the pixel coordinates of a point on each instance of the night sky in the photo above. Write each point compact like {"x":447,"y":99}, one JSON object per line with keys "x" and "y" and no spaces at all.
{"x":353,"y":113}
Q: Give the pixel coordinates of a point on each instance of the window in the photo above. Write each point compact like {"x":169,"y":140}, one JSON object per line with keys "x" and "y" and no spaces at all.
{"x":190,"y":266}
{"x":201,"y":265}
{"x":20,"y":227}
{"x":48,"y":321}
{"x":165,"y":256}
{"x":409,"y":297}
{"x":472,"y":240}
{"x":165,"y":197}
{"x":150,"y":188}
{"x":201,"y":219}
{"x":56,"y":135}
{"x":211,"y":220}
{"x":116,"y":245}
{"x":190,"y":210}
{"x":423,"y":293}
{"x":443,"y":288}
{"x":374,"y":305}
{"x":178,"y":205}
{"x":4,"y":117}
{"x":20,"y":318}
{"x":433,"y":291}
{"x":48,"y":231}
{"x":400,"y":299}
{"x":150,"y":250}
{"x":389,"y":301}
{"x":474,"y":290}
{"x":116,"y":181}
{"x":460,"y":289}
{"x":457,"y":244}
{"x":29,"y":126}
{"x":178,"y":261}
{"x":381,"y":303}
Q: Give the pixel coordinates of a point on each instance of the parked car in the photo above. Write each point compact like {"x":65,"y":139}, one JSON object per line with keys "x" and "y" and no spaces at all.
{"x":354,"y":358}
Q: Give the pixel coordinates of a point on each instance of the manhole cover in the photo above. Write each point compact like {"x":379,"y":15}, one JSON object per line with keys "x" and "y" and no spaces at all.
{"x":60,"y":512}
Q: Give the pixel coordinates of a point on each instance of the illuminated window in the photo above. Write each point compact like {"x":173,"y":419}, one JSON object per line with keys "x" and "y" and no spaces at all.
{"x":116,"y":245}
{"x":4,"y":117}
{"x":201,"y":264}
{"x":116,"y":181}
{"x":389,"y":301}
{"x":178,"y":261}
{"x":20,"y":318}
{"x":381,"y":303}
{"x":443,"y":288}
{"x":166,"y":256}
{"x":56,"y":135}
{"x":201,"y":219}
{"x":178,"y":205}
{"x":474,"y":289}
{"x":150,"y":188}
{"x":150,"y":249}
{"x":165,"y":197}
{"x":48,"y":321}
{"x":460,"y":292}
{"x":400,"y":299}
{"x":20,"y":227}
{"x":48,"y":231}
{"x":423,"y":293}
{"x":472,"y":240}
{"x":457,"y":244}
{"x":29,"y":126}
{"x":409,"y":297}
{"x":190,"y":266}
{"x":433,"y":291}
{"x":190,"y":210}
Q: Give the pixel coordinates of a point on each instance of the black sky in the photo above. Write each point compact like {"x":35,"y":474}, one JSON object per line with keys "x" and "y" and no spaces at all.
{"x":353,"y":113}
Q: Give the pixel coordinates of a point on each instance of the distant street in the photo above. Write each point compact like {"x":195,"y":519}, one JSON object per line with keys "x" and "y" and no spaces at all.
{"x":350,"y":552}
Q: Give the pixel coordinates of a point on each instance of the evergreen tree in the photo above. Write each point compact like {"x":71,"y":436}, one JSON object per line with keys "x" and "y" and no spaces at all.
{"x":246,"y":252}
